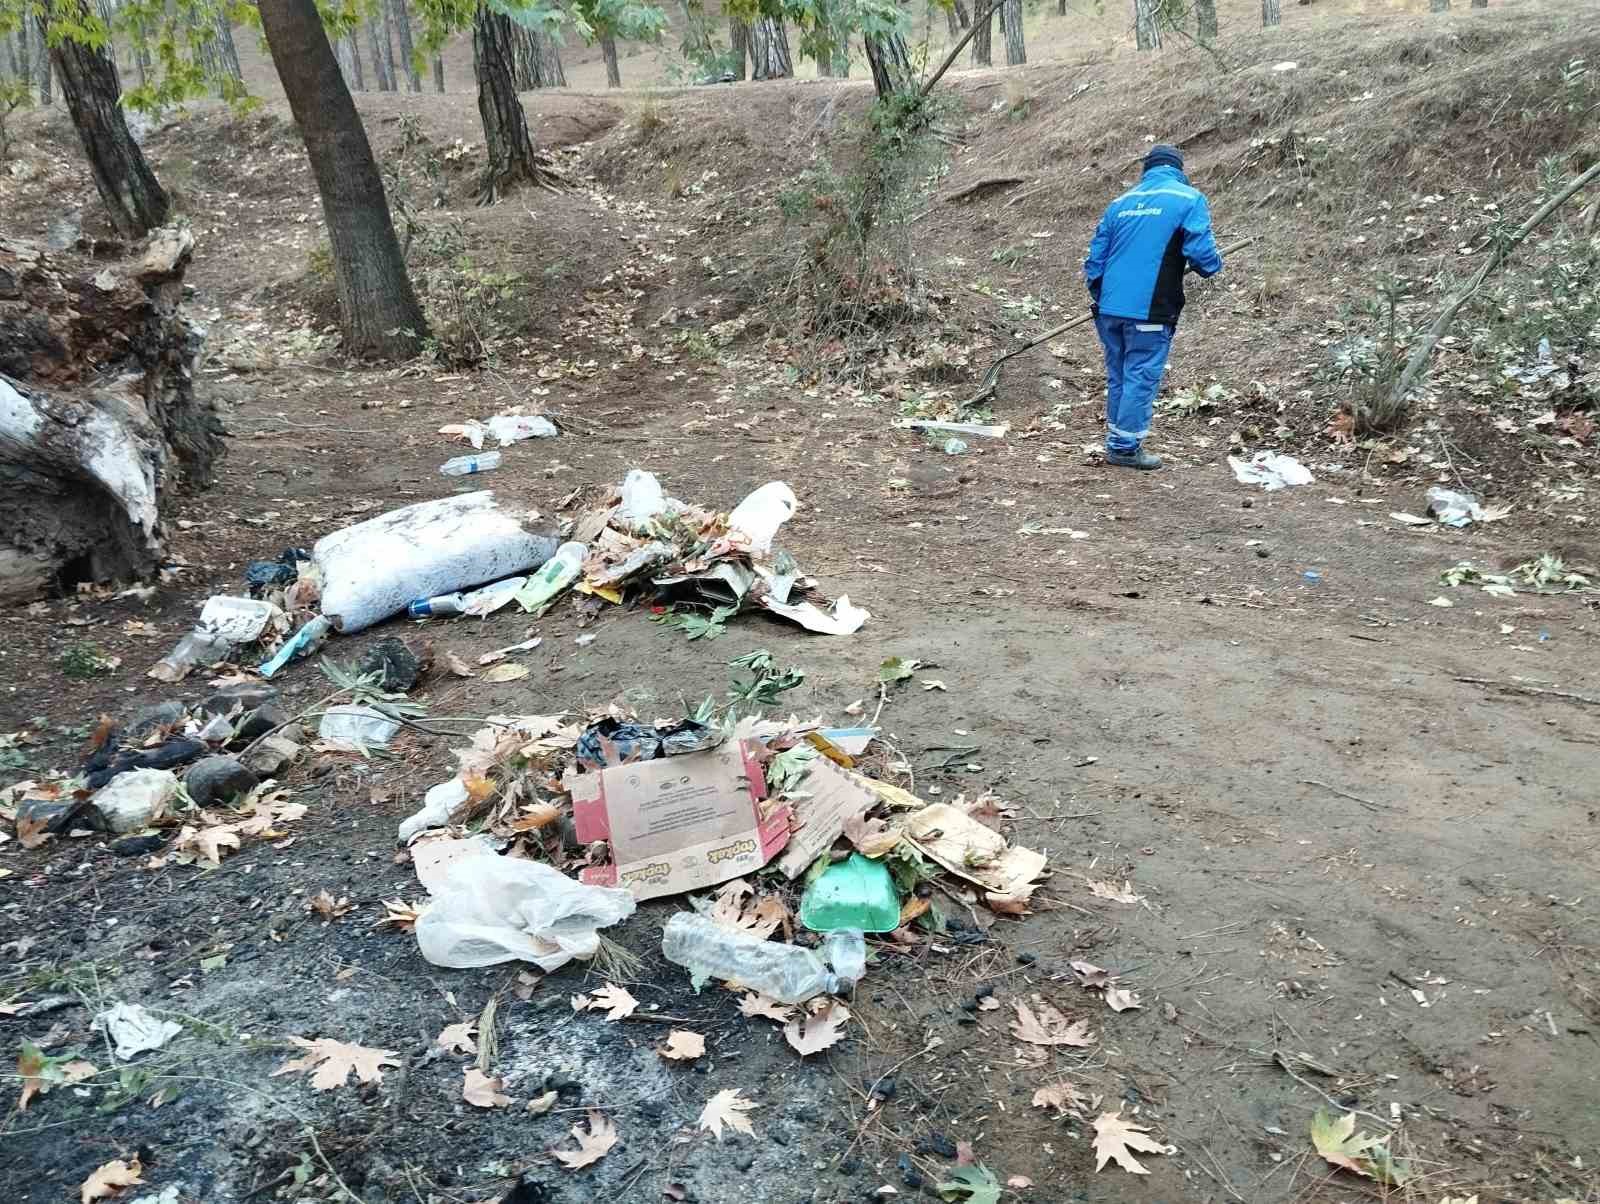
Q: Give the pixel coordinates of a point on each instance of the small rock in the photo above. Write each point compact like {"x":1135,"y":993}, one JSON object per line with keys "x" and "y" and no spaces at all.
{"x":136,"y":846}
{"x":272,"y":756}
{"x":778,"y":1137}
{"x":909,"y":1175}
{"x":970,"y":1005}
{"x":148,"y":719}
{"x":849,"y":1167}
{"x":937,"y":1143}
{"x":1027,"y":959}
{"x":984,"y":992}
{"x":1247,"y":503}
{"x":218,"y":779}
{"x":966,"y":1018}
{"x":1263,"y":552}
{"x":746,"y":1162}
{"x":392,"y":659}
{"x":254,"y":724}
{"x":236,"y":699}
{"x":884,"y":1088}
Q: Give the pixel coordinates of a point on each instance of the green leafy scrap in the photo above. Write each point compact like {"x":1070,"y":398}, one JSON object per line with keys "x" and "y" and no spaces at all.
{"x":788,"y":769}
{"x":971,"y":1185}
{"x":1336,"y":1139}
{"x":897,"y":670}
{"x":695,"y":625}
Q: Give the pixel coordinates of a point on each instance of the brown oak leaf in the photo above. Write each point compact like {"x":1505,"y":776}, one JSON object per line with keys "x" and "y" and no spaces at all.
{"x":1042,"y":1024}
{"x":592,"y":1145}
{"x":481,"y":1091}
{"x":110,"y":1179}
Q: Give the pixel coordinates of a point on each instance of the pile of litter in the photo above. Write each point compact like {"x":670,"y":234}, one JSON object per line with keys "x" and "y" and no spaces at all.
{"x":433,"y":559}
{"x":642,"y":811}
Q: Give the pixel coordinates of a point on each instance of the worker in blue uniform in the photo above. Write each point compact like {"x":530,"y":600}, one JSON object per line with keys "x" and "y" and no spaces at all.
{"x":1147,"y":239}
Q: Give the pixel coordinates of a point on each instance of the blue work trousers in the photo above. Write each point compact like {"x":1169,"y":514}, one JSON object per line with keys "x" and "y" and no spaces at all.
{"x":1136,"y":356}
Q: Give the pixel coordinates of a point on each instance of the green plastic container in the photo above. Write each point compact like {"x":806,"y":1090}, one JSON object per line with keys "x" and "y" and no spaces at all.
{"x":857,"y":894}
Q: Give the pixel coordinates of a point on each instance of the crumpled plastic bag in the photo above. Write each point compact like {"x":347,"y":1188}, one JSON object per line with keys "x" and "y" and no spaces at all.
{"x":1270,"y":470}
{"x":134,"y":1028}
{"x":490,"y":909}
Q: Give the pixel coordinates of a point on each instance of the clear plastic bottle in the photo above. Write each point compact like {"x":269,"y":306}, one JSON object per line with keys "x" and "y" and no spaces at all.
{"x":786,"y":973}
{"x":463,"y":466}
{"x":557,"y":573}
{"x":195,"y":649}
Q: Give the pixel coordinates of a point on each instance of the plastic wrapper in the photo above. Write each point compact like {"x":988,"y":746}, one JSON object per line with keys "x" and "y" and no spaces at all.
{"x":489,"y":909}
{"x":762,"y":512}
{"x":373,"y":569}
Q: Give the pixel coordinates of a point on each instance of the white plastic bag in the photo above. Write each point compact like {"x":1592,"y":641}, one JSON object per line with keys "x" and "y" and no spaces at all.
{"x":373,"y":569}
{"x":492,"y":909}
{"x":642,"y":499}
{"x":238,"y":620}
{"x":352,"y":726}
{"x":513,"y":428}
{"x":436,"y":808}
{"x":134,"y":1028}
{"x":1270,"y":470}
{"x":762,"y":512}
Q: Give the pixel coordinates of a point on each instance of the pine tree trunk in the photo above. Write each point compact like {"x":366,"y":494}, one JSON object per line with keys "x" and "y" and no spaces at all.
{"x":100,"y":429}
{"x":739,"y":40}
{"x":891,"y":64}
{"x":551,"y":73}
{"x":133,"y":196}
{"x":963,"y":17}
{"x":1439,"y":6}
{"x":980,"y":40}
{"x":378,"y":311}
{"x":1271,"y":12}
{"x":438,"y":73}
{"x":45,"y":68}
{"x":228,"y":57}
{"x":608,"y":51}
{"x":512,"y":158}
{"x":408,"y":51}
{"x":108,"y":14}
{"x":1016,"y":53}
{"x":769,"y":50}
{"x":1206,"y":20}
{"x":353,"y":48}
{"x":698,"y":47}
{"x":386,"y":25}
{"x":950,"y":21}
{"x":1061,"y":8}
{"x":1480,"y":3}
{"x":11,"y":59}
{"x":24,"y":59}
{"x":375,"y":51}
{"x":524,"y":59}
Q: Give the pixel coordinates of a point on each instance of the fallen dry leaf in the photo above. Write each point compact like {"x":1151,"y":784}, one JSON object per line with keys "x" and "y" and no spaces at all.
{"x":457,"y":1038}
{"x":535,"y":816}
{"x":1113,"y":892}
{"x":988,"y":1004}
{"x":458,"y":666}
{"x":1063,"y":1096}
{"x":614,"y":1001}
{"x":509,"y":671}
{"x":206,"y":843}
{"x":110,"y":1179}
{"x":1119,"y":1000}
{"x":1091,"y":975}
{"x":592,"y":1146}
{"x":727,"y":1107}
{"x":683,"y":1046}
{"x":1042,"y":1024}
{"x":1116,"y":1140}
{"x":871,"y":837}
{"x":325,"y":905}
{"x":1019,"y":1182}
{"x":481,"y":1091}
{"x":540,"y":1104}
{"x":397,"y":913}
{"x":813,"y":1034}
{"x":40,"y":1073}
{"x":756,"y":1004}
{"x":1336,"y":1139}
{"x":332,"y":1061}
{"x":759,"y":917}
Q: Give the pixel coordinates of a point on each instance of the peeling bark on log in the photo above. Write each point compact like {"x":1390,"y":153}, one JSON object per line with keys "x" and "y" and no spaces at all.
{"x":99,"y":424}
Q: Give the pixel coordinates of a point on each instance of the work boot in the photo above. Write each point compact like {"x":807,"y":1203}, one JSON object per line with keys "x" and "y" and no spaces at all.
{"x":1137,"y":458}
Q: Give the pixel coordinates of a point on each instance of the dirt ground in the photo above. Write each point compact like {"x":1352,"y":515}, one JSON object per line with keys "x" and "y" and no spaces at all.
{"x":1362,"y":826}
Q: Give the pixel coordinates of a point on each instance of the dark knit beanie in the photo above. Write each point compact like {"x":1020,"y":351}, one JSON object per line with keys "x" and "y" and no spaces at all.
{"x":1163,"y":155}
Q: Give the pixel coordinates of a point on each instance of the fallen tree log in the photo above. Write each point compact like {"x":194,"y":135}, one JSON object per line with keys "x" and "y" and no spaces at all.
{"x":100,"y":428}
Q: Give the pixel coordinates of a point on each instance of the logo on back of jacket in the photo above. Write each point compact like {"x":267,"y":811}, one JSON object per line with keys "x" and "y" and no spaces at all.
{"x":1142,"y":211}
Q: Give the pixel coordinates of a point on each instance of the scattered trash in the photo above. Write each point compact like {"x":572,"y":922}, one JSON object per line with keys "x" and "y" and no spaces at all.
{"x":112,"y":758}
{"x":262,"y":575}
{"x":1312,"y":576}
{"x":644,"y":809}
{"x":374,"y":569}
{"x":979,"y":854}
{"x":136,"y":799}
{"x":437,"y":806}
{"x":479,"y":603}
{"x":133,"y":1029}
{"x":786,"y":973}
{"x":954,"y":446}
{"x":489,"y":909}
{"x":1546,"y":573}
{"x":507,"y":428}
{"x":356,"y":728}
{"x":856,"y":894}
{"x":1410,"y":520}
{"x":303,"y":643}
{"x":224,"y":624}
{"x":982,"y":430}
{"x":1270,"y":470}
{"x":755,"y":520}
{"x":466,"y":466}
{"x":1454,"y":508}
{"x":551,"y":581}
{"x":832,"y":798}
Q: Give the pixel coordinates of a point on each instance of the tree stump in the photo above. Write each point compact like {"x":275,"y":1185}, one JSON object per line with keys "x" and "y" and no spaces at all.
{"x":100,"y":427}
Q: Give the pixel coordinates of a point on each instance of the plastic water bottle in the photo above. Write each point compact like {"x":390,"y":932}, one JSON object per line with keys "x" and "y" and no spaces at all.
{"x":557,"y":573}
{"x":786,"y":973}
{"x":463,"y":466}
{"x":438,"y":606}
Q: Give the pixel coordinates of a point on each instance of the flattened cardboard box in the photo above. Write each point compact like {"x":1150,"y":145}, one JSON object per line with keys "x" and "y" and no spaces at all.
{"x":677,"y":824}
